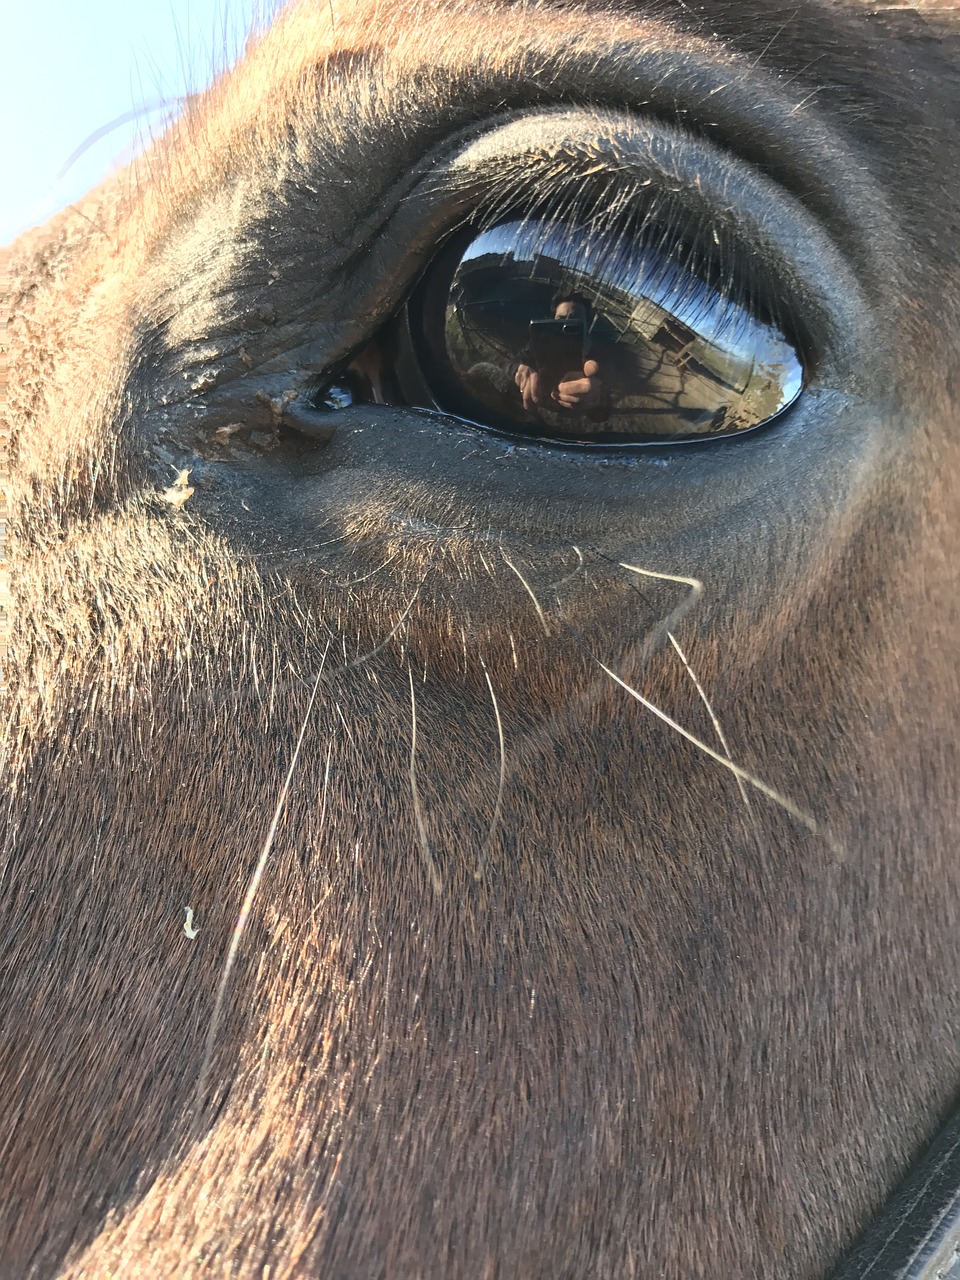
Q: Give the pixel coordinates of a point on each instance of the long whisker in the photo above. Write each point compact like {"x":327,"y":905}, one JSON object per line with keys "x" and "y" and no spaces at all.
{"x":574,"y":573}
{"x":495,"y":819}
{"x":684,"y":607}
{"x":710,"y":711}
{"x":696,"y":587}
{"x":372,"y":653}
{"x":352,"y":582}
{"x":253,"y":886}
{"x":529,"y":590}
{"x":788,"y":806}
{"x":326,"y":786}
{"x":428,"y":859}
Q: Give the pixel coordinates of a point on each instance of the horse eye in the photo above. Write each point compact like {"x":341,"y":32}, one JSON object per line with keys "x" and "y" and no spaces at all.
{"x":563,"y":332}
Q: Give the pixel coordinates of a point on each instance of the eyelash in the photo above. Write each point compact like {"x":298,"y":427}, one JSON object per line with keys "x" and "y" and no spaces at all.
{"x":694,"y":264}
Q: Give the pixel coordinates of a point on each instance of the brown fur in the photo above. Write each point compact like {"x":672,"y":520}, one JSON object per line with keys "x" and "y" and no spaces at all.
{"x":548,"y":991}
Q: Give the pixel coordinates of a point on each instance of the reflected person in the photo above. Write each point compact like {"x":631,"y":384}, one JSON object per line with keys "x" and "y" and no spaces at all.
{"x":551,"y":369}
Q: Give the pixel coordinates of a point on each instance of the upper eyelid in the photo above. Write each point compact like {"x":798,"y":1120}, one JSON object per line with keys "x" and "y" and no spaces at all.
{"x":707,"y":90}
{"x":365,"y":277}
{"x":483,"y":172}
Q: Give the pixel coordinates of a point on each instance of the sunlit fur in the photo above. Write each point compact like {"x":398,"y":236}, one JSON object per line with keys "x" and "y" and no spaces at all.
{"x":552,"y":986}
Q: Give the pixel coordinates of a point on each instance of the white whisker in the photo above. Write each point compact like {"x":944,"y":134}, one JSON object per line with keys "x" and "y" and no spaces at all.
{"x":574,"y":573}
{"x":428,"y":860}
{"x":777,"y":797}
{"x":529,"y":590}
{"x":696,"y":591}
{"x":710,"y":711}
{"x":695,"y":585}
{"x":495,"y":819}
{"x":253,"y":886}
{"x":352,"y":582}
{"x":326,"y":786}
{"x":372,"y":653}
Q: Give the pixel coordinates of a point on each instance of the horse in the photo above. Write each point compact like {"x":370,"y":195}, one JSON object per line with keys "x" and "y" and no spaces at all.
{"x":441,"y":841}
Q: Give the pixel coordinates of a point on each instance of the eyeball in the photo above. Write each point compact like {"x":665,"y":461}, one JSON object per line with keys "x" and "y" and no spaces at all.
{"x":559,"y":331}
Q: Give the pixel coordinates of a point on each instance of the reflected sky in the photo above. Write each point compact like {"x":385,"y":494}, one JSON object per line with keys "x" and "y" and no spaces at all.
{"x":623,"y":267}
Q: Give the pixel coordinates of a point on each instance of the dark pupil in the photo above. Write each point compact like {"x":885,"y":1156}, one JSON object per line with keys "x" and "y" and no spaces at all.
{"x":565,"y":333}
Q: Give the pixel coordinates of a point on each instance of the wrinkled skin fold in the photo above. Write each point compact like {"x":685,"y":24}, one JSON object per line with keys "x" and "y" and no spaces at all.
{"x":496,"y":971}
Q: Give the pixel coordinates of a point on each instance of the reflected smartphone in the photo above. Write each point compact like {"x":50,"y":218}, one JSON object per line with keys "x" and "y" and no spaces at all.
{"x":557,"y":347}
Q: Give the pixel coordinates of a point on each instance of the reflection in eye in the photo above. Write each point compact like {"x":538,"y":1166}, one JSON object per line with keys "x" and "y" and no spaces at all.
{"x":556,"y":331}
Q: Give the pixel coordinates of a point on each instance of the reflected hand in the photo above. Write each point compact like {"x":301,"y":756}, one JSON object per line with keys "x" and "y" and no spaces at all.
{"x":528,"y":380}
{"x":579,"y":390}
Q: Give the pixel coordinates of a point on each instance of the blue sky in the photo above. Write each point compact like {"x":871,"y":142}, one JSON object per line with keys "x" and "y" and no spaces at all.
{"x":68,"y":68}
